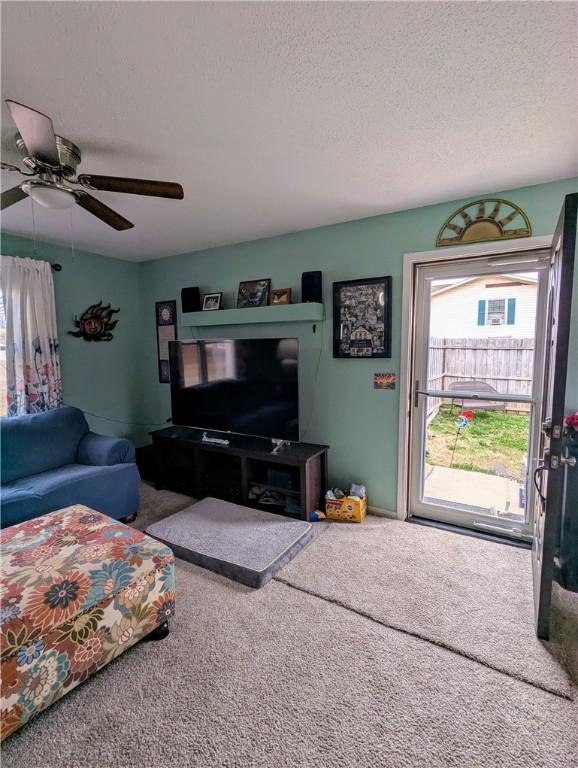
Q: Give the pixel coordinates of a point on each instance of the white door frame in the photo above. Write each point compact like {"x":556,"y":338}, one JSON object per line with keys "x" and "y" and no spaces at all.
{"x":410,"y":260}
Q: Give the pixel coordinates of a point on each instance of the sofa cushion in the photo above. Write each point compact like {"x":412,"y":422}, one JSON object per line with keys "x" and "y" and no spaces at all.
{"x":111,"y":489}
{"x":39,"y":442}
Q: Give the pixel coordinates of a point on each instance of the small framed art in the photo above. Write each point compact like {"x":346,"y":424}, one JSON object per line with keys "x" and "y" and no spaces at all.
{"x":212,"y":301}
{"x":384,"y":380}
{"x":166,"y":317}
{"x":281,"y":296}
{"x":362,"y":318}
{"x":254,"y":293}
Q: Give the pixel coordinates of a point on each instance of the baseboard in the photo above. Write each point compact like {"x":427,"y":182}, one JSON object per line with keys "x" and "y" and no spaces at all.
{"x":382,"y":512}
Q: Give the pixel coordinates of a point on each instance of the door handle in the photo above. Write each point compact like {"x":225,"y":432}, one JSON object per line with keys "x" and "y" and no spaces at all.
{"x":569,"y":461}
{"x":538,"y":486}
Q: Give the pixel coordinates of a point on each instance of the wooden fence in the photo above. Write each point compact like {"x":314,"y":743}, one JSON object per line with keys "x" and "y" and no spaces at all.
{"x":504,"y":363}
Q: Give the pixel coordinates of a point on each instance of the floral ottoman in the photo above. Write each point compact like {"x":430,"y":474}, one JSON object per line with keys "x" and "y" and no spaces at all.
{"x":76,"y":590}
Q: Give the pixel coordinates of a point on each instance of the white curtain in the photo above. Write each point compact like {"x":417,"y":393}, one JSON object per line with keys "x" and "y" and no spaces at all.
{"x":33,"y":380}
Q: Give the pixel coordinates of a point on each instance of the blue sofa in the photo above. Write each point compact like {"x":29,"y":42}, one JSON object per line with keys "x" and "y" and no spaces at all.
{"x":51,"y":460}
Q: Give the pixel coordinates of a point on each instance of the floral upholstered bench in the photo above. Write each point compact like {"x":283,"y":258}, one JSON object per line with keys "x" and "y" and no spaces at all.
{"x":77,"y":589}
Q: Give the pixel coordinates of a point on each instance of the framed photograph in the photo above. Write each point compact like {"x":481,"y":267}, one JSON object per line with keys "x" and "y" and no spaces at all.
{"x":166,"y":322}
{"x":254,"y":293}
{"x":384,"y":380}
{"x":362,"y":318}
{"x":281,"y":296}
{"x":212,"y":301}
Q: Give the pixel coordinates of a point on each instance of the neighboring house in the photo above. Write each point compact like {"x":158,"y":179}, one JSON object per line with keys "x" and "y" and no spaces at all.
{"x":480,"y":307}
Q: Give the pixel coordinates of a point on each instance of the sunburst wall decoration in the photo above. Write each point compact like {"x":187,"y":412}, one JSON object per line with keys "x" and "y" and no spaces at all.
{"x":95,"y":323}
{"x":483,"y":220}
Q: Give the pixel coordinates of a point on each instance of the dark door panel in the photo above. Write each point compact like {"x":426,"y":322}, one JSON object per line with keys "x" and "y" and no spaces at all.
{"x":550,"y":474}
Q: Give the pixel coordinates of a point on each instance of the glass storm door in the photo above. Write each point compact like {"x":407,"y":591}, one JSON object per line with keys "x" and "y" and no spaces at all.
{"x":477,"y":352}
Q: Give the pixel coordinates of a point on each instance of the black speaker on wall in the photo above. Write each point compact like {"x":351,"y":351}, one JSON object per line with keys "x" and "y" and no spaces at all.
{"x":312,"y":286}
{"x":190,"y":299}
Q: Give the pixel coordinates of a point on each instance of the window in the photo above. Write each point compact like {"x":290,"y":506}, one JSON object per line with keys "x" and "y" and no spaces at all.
{"x":29,"y":342}
{"x":496,"y":311}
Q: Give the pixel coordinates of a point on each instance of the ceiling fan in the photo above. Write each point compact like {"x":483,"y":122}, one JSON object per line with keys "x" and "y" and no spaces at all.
{"x":52,"y":161}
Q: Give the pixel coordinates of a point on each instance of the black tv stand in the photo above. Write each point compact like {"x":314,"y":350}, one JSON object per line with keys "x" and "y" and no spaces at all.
{"x":191,"y":461}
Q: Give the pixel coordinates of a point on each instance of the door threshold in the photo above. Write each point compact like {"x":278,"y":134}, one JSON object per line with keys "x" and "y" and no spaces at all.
{"x":518,"y":543}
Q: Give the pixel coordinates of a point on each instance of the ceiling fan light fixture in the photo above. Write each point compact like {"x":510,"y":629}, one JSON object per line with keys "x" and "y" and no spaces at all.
{"x":54,"y":159}
{"x":49,"y":195}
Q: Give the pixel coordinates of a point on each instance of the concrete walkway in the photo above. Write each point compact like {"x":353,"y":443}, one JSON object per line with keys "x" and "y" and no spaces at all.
{"x":498,"y":495}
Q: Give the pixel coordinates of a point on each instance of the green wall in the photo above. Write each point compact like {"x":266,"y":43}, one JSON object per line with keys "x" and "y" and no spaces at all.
{"x":118,"y":380}
{"x":97,"y":377}
{"x":338,"y":403}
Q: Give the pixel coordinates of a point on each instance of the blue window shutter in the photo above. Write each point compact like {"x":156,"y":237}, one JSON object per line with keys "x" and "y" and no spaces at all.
{"x":511,"y":311}
{"x":482,"y":312}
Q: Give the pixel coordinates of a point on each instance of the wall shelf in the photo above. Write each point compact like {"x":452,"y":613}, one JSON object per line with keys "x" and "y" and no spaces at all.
{"x":283,"y":313}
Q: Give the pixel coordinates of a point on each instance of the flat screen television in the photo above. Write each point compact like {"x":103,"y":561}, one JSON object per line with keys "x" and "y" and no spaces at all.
{"x":245,"y":386}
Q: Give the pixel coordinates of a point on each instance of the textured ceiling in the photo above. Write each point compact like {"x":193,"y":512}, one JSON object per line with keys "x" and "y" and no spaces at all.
{"x":278,"y":117}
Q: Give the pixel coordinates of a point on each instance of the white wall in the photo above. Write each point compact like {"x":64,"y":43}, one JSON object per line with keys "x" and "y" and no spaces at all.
{"x":454,"y":313}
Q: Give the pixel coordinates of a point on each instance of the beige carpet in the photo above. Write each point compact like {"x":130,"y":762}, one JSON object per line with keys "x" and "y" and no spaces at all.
{"x":278,"y":678}
{"x":154,"y":505}
{"x":466,"y":594}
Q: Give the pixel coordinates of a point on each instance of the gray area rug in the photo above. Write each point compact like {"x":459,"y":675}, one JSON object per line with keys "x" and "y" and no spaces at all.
{"x":469,"y":595}
{"x":276,"y":678}
{"x":247,"y":545}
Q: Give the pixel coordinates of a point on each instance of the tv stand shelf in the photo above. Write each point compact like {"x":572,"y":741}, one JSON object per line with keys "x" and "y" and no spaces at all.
{"x":184,"y":463}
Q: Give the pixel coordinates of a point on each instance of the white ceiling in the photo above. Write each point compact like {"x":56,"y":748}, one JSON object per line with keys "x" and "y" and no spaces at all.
{"x":278,"y":117}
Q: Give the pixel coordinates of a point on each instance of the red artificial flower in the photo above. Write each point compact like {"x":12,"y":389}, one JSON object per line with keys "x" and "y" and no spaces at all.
{"x":469,"y":415}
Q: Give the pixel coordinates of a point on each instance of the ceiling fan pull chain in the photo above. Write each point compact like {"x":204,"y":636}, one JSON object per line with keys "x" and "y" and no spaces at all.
{"x":33,"y":228}
{"x":72,"y":247}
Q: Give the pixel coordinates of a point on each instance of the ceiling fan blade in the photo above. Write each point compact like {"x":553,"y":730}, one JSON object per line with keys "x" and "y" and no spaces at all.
{"x":37,"y":132}
{"x":11,"y":196}
{"x":102,"y":211}
{"x":132,"y":186}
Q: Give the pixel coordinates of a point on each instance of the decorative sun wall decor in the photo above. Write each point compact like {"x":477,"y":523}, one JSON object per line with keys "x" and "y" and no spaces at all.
{"x":484,"y":220}
{"x":95,"y":323}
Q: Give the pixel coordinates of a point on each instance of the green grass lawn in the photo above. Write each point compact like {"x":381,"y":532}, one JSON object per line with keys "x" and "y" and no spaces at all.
{"x":495,"y":442}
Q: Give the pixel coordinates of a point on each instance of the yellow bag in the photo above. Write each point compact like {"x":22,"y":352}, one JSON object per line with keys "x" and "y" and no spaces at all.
{"x":348,"y":509}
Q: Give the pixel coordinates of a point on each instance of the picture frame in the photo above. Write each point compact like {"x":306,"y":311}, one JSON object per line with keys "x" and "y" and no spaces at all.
{"x":253,"y":293}
{"x":166,"y":326}
{"x":362,"y":318}
{"x":212,"y":301}
{"x":384,"y":380}
{"x":280,"y":296}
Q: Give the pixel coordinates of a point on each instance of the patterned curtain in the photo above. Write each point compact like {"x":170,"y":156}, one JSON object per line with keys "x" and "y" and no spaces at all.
{"x":33,"y":380}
